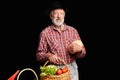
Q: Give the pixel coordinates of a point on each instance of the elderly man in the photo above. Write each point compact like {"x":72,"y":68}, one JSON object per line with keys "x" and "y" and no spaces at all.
{"x":60,"y":40}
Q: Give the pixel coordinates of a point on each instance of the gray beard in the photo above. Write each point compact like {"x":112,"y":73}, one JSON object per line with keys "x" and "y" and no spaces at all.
{"x":58,"y":23}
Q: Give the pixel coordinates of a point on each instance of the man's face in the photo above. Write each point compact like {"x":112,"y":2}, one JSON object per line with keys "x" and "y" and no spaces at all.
{"x":57,"y":16}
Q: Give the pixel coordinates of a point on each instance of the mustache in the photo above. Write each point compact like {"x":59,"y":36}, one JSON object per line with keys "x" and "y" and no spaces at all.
{"x":55,"y":19}
{"x":58,"y":19}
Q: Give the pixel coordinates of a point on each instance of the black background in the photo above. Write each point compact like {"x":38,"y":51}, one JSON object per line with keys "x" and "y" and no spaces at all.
{"x":22,"y":21}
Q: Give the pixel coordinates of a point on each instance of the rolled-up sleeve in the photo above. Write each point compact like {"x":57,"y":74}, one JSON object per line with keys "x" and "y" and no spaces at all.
{"x":42,"y":54}
{"x":83,"y":50}
{"x":82,"y":53}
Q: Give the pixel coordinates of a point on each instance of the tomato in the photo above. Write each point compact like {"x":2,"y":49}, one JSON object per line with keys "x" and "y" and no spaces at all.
{"x":64,"y":70}
{"x":59,"y":71}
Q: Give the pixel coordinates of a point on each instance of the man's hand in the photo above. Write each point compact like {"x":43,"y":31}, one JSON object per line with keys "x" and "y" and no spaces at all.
{"x":75,"y":47}
{"x":53,"y":58}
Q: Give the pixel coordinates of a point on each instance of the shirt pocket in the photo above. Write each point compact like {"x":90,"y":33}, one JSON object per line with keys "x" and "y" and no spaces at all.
{"x":54,"y":46}
{"x":68,"y":42}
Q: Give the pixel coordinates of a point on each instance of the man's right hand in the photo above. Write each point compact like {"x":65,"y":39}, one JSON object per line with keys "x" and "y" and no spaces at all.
{"x":53,"y":58}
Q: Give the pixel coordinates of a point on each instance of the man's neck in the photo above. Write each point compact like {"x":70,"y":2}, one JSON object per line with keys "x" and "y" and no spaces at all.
{"x":59,"y":28}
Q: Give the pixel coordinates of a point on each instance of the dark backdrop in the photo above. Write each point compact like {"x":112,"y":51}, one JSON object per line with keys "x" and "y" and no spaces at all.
{"x":21,"y":23}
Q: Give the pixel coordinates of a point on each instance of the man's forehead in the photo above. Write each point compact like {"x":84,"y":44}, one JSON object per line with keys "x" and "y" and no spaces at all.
{"x":56,"y":10}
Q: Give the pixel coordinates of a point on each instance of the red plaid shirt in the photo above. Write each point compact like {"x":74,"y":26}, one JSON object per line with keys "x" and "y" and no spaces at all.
{"x":52,"y":41}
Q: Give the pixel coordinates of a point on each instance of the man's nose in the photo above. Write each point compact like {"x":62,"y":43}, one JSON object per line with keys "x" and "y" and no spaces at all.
{"x":59,"y":15}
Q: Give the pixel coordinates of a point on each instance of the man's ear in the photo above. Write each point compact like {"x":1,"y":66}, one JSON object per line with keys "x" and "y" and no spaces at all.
{"x":50,"y":15}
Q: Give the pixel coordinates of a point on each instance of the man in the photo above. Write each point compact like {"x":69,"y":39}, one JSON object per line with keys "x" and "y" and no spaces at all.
{"x":60,"y":40}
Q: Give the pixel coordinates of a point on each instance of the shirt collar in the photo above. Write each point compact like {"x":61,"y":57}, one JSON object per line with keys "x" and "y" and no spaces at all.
{"x":64,"y":28}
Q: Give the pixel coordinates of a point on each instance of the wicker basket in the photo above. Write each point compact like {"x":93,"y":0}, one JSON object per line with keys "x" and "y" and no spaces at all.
{"x":63,"y":76}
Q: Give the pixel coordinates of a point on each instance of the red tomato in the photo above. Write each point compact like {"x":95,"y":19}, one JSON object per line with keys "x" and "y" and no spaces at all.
{"x":64,"y":70}
{"x":59,"y":71}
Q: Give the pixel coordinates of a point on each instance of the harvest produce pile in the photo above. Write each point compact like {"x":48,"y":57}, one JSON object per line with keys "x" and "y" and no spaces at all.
{"x":52,"y":70}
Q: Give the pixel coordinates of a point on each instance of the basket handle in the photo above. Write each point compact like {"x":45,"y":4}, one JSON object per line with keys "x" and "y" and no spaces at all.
{"x":27,"y":69}
{"x":59,"y":59}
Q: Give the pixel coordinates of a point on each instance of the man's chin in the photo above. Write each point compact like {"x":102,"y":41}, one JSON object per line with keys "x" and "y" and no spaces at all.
{"x":58,"y":22}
